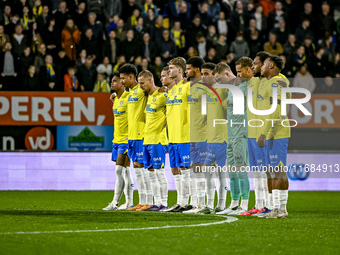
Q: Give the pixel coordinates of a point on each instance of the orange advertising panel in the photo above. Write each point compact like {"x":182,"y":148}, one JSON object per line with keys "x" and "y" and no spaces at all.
{"x":325,"y":110}
{"x":55,"y":108}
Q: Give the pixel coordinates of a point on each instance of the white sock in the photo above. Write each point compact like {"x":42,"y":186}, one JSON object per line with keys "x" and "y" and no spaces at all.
{"x":283,"y":196}
{"x":234,"y":203}
{"x":146,"y":178}
{"x":178,"y":185}
{"x":163,"y":183}
{"x":129,"y":186}
{"x":193,"y":188}
{"x":156,"y":190}
{"x":271,"y":202}
{"x":140,"y":186}
{"x":119,"y":185}
{"x":265,"y":190}
{"x":276,"y":198}
{"x":258,"y":190}
{"x":222,"y":189}
{"x":210,"y":189}
{"x":185,"y":179}
{"x":244,"y":204}
{"x":200,"y":183}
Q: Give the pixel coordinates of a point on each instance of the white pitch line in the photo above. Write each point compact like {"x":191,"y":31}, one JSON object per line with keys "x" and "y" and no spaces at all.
{"x":227,"y":220}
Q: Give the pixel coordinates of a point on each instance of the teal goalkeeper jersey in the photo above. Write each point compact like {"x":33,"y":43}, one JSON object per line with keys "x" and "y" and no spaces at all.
{"x":237,"y":124}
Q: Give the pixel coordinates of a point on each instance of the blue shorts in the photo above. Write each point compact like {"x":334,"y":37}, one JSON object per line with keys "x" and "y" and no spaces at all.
{"x":278,"y":150}
{"x":118,"y":148}
{"x":179,"y":154}
{"x":217,"y":154}
{"x":136,"y":150}
{"x":257,"y":155}
{"x":154,"y":156}
{"x":198,"y":152}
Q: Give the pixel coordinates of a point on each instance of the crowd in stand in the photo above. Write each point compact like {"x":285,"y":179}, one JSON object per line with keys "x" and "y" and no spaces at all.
{"x":75,"y":45}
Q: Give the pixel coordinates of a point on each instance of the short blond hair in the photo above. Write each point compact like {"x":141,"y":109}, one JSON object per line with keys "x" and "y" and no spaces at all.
{"x":179,"y":62}
{"x":145,"y":74}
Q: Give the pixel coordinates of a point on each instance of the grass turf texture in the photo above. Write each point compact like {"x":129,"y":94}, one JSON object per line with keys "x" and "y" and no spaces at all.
{"x":312,"y":227}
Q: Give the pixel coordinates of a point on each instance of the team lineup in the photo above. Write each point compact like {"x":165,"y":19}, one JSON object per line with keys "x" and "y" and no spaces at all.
{"x":151,"y":121}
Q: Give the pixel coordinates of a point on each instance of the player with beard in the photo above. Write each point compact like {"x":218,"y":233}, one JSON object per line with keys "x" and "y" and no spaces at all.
{"x":274,"y":136}
{"x":155,"y":140}
{"x":198,"y":133}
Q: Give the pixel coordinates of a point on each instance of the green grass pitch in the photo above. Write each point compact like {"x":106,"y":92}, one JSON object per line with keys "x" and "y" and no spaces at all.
{"x":313,"y":227}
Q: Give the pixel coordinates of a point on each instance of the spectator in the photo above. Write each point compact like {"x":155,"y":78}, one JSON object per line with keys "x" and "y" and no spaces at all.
{"x":326,"y":21}
{"x":328,"y":87}
{"x":132,"y":20}
{"x":212,"y":36}
{"x":47,"y":75}
{"x":120,"y":62}
{"x":250,"y":30}
{"x":101,"y":84}
{"x":190,"y":53}
{"x":308,"y":15}
{"x":71,"y":82}
{"x":175,"y":8}
{"x":336,"y":66}
{"x":130,"y":48}
{"x":239,"y":47}
{"x":80,"y":15}
{"x":138,"y":63}
{"x":211,"y":56}
{"x":26,"y":18}
{"x":61,"y":64}
{"x":96,"y":6}
{"x":51,"y":37}
{"x":149,"y":5}
{"x":8,"y":68}
{"x":250,"y":7}
{"x":167,"y":47}
{"x":31,"y":80}
{"x":112,"y":8}
{"x":281,"y":32}
{"x":19,"y":41}
{"x":128,"y":7}
{"x":90,"y":44}
{"x":111,"y":47}
{"x":177,"y":35}
{"x":37,"y":8}
{"x":36,"y":42}
{"x":157,"y":67}
{"x":39,"y":59}
{"x":221,"y":46}
{"x":299,"y":58}
{"x":268,"y":6}
{"x":10,"y":27}
{"x":213,"y":10}
{"x":42,"y":20}
{"x":309,"y":49}
{"x":261,"y":19}
{"x":222,"y":26}
{"x":272,"y":46}
{"x":203,"y":45}
{"x":156,"y":30}
{"x":87,"y":75}
{"x":62,"y":15}
{"x":184,"y":16}
{"x":194,"y":29}
{"x":105,"y":67}
{"x":26,"y":60}
{"x":319,"y":65}
{"x":303,"y":31}
{"x":255,"y":44}
{"x":121,"y":31}
{"x":97,"y":27}
{"x":113,"y":24}
{"x":139,"y":29}
{"x":150,"y":50}
{"x":7,"y":15}
{"x":290,"y":47}
{"x":203,"y":14}
{"x":70,"y":38}
{"x":149,"y":20}
{"x":81,"y":60}
{"x":303,"y":79}
{"x":276,"y":15}
{"x":239,"y":18}
{"x":328,"y":45}
{"x":3,"y":38}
